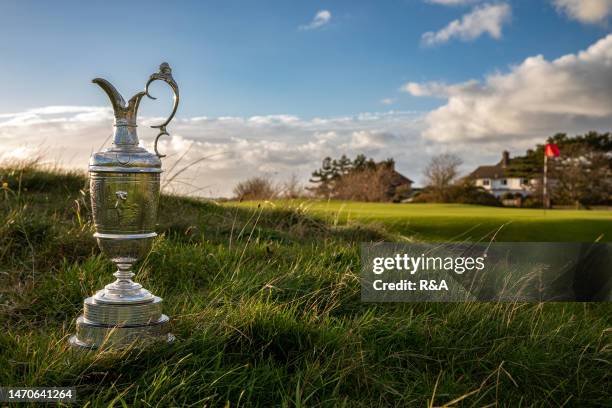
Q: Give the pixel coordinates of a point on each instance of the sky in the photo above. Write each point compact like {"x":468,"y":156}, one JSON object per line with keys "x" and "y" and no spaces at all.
{"x":271,"y":87}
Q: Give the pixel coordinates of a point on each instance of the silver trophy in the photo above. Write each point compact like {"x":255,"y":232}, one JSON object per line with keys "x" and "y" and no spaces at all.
{"x":124,"y":187}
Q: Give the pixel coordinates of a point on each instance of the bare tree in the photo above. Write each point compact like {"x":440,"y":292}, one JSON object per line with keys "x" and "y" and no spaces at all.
{"x":372,"y":185}
{"x":256,"y":188}
{"x":292,"y":188}
{"x":440,"y":173}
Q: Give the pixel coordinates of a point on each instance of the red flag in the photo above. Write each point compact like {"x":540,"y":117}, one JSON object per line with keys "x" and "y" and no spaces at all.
{"x":551,"y":150}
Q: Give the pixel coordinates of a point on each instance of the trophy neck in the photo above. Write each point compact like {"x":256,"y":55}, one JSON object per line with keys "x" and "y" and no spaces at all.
{"x":125,"y":134}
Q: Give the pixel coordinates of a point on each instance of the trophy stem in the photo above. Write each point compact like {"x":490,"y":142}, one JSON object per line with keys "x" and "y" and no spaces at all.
{"x":124,"y":273}
{"x":123,"y":290}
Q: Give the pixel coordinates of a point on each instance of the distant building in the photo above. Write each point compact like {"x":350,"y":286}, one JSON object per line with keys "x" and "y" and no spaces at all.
{"x":399,"y":186}
{"x":499,"y":181}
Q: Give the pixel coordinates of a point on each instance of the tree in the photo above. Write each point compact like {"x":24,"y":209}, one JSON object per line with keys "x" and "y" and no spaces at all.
{"x":370,"y":185}
{"x":530,"y":165}
{"x":581,"y":175}
{"x":323,"y":178}
{"x":326,"y":177}
{"x":361,"y":179}
{"x":439,"y":174}
{"x":255,"y":188}
{"x":343,"y":166}
{"x":362,"y":163}
{"x":578,"y":175}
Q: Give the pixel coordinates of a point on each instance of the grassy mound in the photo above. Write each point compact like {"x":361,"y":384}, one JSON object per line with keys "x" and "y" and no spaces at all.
{"x":266,"y":309}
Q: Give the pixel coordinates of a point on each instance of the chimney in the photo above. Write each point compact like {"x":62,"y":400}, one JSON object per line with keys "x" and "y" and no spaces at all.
{"x":505,"y":158}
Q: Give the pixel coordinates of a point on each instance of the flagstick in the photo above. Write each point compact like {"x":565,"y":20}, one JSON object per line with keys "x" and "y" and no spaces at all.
{"x":545,"y":183}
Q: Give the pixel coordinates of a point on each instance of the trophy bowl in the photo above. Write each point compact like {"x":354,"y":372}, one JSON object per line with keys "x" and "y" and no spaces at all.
{"x":124,"y":207}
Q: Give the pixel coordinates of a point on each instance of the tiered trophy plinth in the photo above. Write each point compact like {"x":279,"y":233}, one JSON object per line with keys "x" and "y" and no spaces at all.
{"x":121,"y":314}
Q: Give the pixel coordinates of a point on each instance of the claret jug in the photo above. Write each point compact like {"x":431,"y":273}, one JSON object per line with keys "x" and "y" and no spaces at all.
{"x":124,"y":189}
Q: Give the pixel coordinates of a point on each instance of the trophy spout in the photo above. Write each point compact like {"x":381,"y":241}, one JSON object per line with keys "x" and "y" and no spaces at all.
{"x":113,"y":94}
{"x":125,"y":115}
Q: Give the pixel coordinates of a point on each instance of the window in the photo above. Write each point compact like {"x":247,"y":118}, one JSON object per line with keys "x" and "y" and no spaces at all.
{"x":504,"y":182}
{"x":485,"y":182}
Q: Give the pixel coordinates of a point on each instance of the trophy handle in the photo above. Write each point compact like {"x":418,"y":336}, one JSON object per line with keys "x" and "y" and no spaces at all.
{"x":164,"y":74}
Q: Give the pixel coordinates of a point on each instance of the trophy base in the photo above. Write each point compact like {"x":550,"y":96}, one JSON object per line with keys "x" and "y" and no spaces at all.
{"x":105,"y":325}
{"x":127,"y":314}
{"x":76,"y":343}
{"x":91,"y":335}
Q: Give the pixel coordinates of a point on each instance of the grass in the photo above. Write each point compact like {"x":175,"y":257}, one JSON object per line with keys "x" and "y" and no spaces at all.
{"x":266,"y":308}
{"x":445,"y":222}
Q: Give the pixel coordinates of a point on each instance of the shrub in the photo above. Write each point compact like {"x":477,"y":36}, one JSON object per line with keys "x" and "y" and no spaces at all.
{"x":255,"y":188}
{"x":532,"y":202}
{"x":460,"y":194}
{"x":372,"y":185}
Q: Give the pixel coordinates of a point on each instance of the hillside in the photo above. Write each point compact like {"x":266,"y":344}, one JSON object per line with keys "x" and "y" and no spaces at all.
{"x":265,"y":306}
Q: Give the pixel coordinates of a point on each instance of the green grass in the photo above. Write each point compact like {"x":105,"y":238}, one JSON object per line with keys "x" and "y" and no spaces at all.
{"x":451,"y":222}
{"x":265,"y":306}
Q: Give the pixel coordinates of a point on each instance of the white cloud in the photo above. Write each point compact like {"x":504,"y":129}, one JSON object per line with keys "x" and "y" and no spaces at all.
{"x":533,"y":100}
{"x":320,"y":19}
{"x":585,"y":11}
{"x":234,"y":148}
{"x":452,"y":2}
{"x":371,"y":141}
{"x":387,"y":101}
{"x":425,"y":89}
{"x":488,"y":18}
{"x":273,"y":120}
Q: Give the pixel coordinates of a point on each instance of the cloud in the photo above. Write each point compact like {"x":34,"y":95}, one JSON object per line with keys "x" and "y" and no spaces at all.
{"x":436,"y":89}
{"x":533,"y":100}
{"x":387,"y":101}
{"x":488,"y":18}
{"x":320,"y":19}
{"x":234,"y":148}
{"x":369,"y":141}
{"x":425,"y":89}
{"x":585,"y":11}
{"x":452,"y":2}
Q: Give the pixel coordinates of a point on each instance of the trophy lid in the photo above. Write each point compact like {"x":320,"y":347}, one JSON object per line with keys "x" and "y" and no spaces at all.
{"x":125,"y":155}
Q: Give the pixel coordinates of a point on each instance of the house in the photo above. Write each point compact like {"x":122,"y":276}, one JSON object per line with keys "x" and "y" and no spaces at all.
{"x":399,"y":187}
{"x":499,"y":180}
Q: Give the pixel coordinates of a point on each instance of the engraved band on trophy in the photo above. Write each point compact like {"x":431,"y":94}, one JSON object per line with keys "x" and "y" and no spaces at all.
{"x":125,"y":189}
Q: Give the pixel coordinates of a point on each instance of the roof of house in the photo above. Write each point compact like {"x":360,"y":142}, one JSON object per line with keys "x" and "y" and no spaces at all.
{"x":398,"y":178}
{"x":490,"y":172}
{"x":500,"y":170}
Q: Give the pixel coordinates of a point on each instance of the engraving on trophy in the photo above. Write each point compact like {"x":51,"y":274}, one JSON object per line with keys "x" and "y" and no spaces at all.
{"x":125,"y":188}
{"x":123,"y":158}
{"x":121,"y":195}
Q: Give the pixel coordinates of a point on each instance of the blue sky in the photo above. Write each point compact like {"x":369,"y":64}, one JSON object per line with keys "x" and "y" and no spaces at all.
{"x":249,"y":58}
{"x":272,"y":87}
